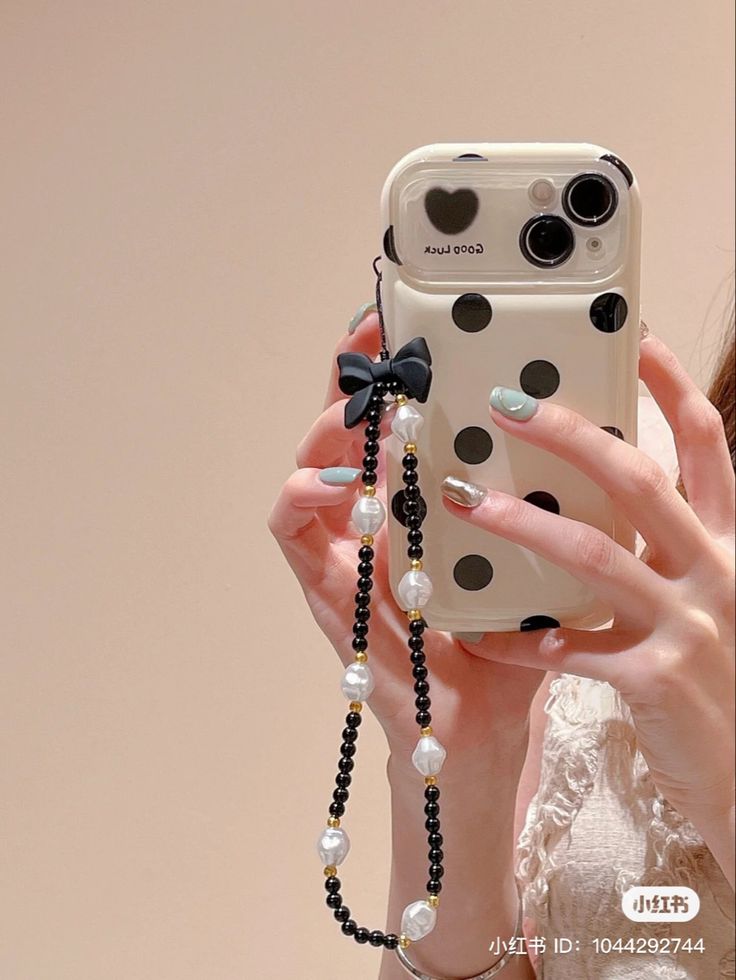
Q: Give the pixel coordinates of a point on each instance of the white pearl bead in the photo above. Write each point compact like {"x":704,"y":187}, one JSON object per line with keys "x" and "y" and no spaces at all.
{"x":368,"y":514}
{"x":418,"y":920}
{"x":357,"y":682}
{"x":415,"y":589}
{"x":429,"y":755}
{"x":406,"y":423}
{"x":333,"y":845}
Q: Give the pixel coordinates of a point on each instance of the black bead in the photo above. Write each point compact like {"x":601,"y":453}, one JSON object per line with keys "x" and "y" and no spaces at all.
{"x":334,"y":901}
{"x":413,"y":520}
{"x":370,"y":463}
{"x":376,"y":938}
{"x":422,"y":702}
{"x":391,"y":940}
{"x":349,"y":734}
{"x":435,"y":855}
{"x":418,"y":657}
{"x":435,"y":839}
{"x":414,"y":551}
{"x":365,"y":584}
{"x":353,"y":719}
{"x":332,"y":884}
{"x":410,"y":477}
{"x":347,"y":749}
{"x":362,"y":598}
{"x":419,"y":671}
{"x":361,"y":935}
{"x":340,"y":795}
{"x":366,"y":553}
{"x":343,"y":779}
{"x":360,"y":629}
{"x":423,"y":718}
{"x":434,"y":887}
{"x":415,"y":537}
{"x":436,"y":871}
{"x":346,"y":765}
{"x":411,"y":508}
{"x":409,"y":461}
{"x":372,"y":432}
{"x":416,"y":626}
{"x":362,"y":614}
{"x":359,"y":643}
{"x":432,"y":824}
{"x":432,"y":792}
{"x":421,"y":687}
{"x":349,"y":927}
{"x":337,"y":809}
{"x":412,"y":493}
{"x":370,"y":448}
{"x":369,"y":479}
{"x":342,"y":914}
{"x":415,"y":642}
{"x":431,"y":808}
{"x":365,"y":568}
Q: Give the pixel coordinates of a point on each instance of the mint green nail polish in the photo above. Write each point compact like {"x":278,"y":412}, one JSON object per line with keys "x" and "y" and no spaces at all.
{"x":339,"y":475}
{"x":513,"y":404}
{"x":359,"y":314}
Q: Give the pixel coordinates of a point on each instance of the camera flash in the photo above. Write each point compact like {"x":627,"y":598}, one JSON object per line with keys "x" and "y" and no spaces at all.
{"x":542,"y":192}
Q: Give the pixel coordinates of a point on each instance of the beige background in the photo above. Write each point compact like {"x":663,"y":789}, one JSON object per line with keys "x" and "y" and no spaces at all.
{"x":189,"y":214}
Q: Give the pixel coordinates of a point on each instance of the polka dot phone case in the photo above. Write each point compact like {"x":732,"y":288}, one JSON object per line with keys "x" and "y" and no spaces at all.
{"x":518,"y":263}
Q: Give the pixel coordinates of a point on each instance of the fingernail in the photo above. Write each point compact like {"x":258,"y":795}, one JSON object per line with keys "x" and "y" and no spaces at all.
{"x":360,"y":314}
{"x":643,"y":330}
{"x":462,"y":492}
{"x":513,"y":404}
{"x":339,"y":475}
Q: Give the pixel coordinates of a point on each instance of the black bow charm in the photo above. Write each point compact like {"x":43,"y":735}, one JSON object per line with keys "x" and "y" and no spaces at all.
{"x":359,"y":375}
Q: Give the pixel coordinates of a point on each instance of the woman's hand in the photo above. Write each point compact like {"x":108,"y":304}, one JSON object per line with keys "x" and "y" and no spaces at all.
{"x":670,"y":650}
{"x":480,"y":707}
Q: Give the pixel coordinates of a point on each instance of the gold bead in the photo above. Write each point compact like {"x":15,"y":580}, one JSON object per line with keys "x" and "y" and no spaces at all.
{"x":410,"y":447}
{"x":434,"y":901}
{"x":414,"y":614}
{"x":401,"y":399}
{"x":426,"y":731}
{"x":404,"y":941}
{"x":367,"y":539}
{"x":430,"y":780}
{"x":361,"y":656}
{"x":356,"y":706}
{"x":416,"y":564}
{"x":333,"y":821}
{"x":369,"y":491}
{"x":330,"y":870}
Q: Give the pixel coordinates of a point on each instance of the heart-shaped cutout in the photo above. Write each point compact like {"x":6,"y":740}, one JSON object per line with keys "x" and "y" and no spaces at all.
{"x":451,"y":211}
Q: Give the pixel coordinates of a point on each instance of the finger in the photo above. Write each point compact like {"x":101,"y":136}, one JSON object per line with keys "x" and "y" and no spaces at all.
{"x":700,"y":438}
{"x":632,"y":588}
{"x":640,"y":487}
{"x":366,"y":338}
{"x":294,"y":520}
{"x":329,"y":443}
{"x":603,"y":655}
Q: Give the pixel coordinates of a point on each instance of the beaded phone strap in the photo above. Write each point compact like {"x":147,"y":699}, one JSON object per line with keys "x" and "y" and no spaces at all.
{"x":405,"y":375}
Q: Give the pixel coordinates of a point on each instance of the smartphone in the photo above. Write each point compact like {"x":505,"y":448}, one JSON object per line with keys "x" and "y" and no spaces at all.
{"x":518,"y":263}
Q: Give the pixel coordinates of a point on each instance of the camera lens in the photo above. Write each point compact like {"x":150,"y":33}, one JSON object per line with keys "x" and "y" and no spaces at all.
{"x":589,"y":199}
{"x":546,"y":240}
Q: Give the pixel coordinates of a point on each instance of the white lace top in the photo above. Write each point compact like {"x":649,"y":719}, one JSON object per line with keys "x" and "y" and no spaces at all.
{"x":597,"y":826}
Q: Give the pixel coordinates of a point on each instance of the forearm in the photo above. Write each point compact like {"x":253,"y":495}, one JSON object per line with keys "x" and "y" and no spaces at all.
{"x":718,"y":833}
{"x":478,"y":901}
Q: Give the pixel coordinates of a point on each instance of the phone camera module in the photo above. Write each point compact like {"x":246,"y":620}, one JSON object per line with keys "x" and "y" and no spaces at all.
{"x":589,"y":199}
{"x":546,"y":240}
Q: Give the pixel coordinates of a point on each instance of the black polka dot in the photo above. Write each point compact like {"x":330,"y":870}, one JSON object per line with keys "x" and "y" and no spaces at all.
{"x":613,"y":430}
{"x":473,"y":572}
{"x":538,"y":623}
{"x":389,"y":245}
{"x":451,"y":211}
{"x":473,"y":444}
{"x":539,"y":379}
{"x":540,"y":498}
{"x":397,"y":507}
{"x":471,"y":312}
{"x":608,"y":312}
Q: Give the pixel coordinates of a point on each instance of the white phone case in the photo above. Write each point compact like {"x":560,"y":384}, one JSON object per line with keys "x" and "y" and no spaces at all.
{"x":455,"y":272}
